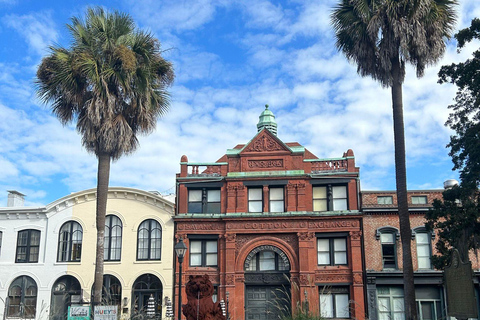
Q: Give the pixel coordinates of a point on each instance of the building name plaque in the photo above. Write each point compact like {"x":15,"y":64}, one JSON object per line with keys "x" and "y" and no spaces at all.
{"x":265,"y":163}
{"x":294,"y":225}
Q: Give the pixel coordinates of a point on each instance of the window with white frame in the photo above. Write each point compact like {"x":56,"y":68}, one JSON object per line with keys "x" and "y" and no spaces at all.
{"x":384,"y":200}
{"x":113,"y":238}
{"x":330,"y":198}
{"x":419,"y":199}
{"x":424,"y":250}
{"x":277,"y":203}
{"x":334,"y":302}
{"x":28,"y":246}
{"x":204,"y":200}
{"x":70,"y":242}
{"x":332,"y":251}
{"x":255,"y":200}
{"x":203,"y":253}
{"x":389,"y":250}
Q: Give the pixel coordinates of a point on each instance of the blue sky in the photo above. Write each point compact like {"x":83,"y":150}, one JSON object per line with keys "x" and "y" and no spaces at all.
{"x":231,"y":57}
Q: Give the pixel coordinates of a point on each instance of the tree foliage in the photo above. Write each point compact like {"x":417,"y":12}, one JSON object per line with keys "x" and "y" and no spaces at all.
{"x":456,"y":219}
{"x":112,"y":82}
{"x":465,"y":116}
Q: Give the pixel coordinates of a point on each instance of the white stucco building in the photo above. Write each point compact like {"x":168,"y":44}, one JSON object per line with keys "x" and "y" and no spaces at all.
{"x":47,"y":254}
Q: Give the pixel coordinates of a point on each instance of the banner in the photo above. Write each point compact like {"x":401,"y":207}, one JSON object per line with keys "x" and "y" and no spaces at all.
{"x":105,"y":313}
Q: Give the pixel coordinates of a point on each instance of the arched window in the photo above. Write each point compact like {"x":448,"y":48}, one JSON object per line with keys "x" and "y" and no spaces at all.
{"x":423,"y":240}
{"x":28,"y":246}
{"x":22,"y":298}
{"x":388,"y":237}
{"x":70,"y":242}
{"x":149,"y":244}
{"x":113,"y":238}
{"x":111,"y":290}
{"x":267,"y":260}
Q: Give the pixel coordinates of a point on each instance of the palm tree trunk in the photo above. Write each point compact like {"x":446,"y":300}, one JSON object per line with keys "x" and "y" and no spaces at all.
{"x":401,"y":182}
{"x":102,"y":195}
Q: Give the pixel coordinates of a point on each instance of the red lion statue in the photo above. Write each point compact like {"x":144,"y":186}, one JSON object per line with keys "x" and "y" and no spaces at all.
{"x":199,"y":291}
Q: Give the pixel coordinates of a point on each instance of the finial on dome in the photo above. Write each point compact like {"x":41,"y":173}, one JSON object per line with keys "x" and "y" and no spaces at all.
{"x":267,"y":121}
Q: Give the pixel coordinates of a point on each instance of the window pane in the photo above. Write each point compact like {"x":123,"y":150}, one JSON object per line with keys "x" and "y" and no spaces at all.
{"x":384,"y":305}
{"x":213,"y":195}
{"x":398,"y":305}
{"x":211,"y":246}
{"x":211,"y":259}
{"x":194,"y":195}
{"x":387,"y":238}
{"x":319,"y":192}
{"x":195,"y":207}
{"x":340,"y":244}
{"x":323,"y":245}
{"x":422,"y":238}
{"x":267,"y":260}
{"x":276,"y":194}
{"x":423,"y":250}
{"x":323,"y":258}
{"x":424,"y":263}
{"x":319,"y":205}
{"x":385,"y":200}
{"x":255,"y":194}
{"x":277,"y":206}
{"x":342,"y":307}
{"x":326,"y":305}
{"x":339,"y":192}
{"x":195,"y":246}
{"x":195,"y":259}
{"x":255,"y":206}
{"x":212,"y":207}
{"x":339,"y":204}
{"x":340,"y":258}
{"x":419,"y":200}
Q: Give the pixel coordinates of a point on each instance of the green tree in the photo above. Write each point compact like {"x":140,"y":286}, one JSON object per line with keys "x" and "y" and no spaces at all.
{"x":112,"y":82}
{"x":465,"y":118}
{"x":381,"y":36}
{"x":456,"y":220}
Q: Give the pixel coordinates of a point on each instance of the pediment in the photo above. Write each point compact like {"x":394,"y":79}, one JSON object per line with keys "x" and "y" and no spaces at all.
{"x":265,"y":141}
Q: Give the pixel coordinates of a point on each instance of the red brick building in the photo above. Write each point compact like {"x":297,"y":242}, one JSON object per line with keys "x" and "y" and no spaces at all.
{"x":383,"y":256}
{"x":274,"y":226}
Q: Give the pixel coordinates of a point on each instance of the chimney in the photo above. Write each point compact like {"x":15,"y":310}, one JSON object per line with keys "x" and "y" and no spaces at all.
{"x":15,"y":199}
{"x":450,"y":183}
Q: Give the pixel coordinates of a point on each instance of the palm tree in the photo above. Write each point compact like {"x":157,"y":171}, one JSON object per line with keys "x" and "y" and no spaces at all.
{"x":112,"y":81}
{"x":381,"y":36}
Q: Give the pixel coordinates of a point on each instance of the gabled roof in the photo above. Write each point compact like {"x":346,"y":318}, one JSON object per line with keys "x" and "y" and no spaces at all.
{"x":265,"y":141}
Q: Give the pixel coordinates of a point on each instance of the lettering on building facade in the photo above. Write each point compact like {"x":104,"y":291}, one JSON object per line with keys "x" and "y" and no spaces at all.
{"x":262,"y":164}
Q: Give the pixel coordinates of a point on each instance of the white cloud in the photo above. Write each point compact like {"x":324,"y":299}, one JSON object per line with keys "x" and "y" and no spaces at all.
{"x":38,"y":29}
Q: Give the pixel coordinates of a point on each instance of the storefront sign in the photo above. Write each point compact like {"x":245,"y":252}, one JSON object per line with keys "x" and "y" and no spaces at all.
{"x":105,"y":313}
{"x":79,"y":313}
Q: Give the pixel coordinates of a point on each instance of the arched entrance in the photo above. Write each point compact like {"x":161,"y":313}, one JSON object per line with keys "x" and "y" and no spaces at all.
{"x":267,"y":284}
{"x":146,"y":287}
{"x":62,"y":291}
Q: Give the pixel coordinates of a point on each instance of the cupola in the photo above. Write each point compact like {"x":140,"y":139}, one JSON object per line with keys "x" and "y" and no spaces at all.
{"x":267,"y":121}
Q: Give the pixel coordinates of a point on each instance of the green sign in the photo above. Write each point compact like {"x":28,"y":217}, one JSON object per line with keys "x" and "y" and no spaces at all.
{"x":79,"y":313}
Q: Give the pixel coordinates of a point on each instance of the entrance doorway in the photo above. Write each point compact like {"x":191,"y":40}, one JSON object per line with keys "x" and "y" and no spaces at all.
{"x":147,"y":288}
{"x":267,"y":284}
{"x":65,"y":289}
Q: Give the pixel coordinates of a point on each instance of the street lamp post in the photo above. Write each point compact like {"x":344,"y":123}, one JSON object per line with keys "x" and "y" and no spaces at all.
{"x":180,"y":250}
{"x":228,"y":315}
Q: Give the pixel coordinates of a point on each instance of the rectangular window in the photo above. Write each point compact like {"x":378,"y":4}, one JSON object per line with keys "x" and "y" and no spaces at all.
{"x":384,"y":200}
{"x":255,"y":200}
{"x":203,"y":253}
{"x":419,"y":199}
{"x":423,"y":250}
{"x":28,"y":246}
{"x":204,"y":201}
{"x":332,"y":251}
{"x":276,"y":200}
{"x":337,"y":201}
{"x":389,"y":252}
{"x":390,"y":303}
{"x":334,"y":302}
